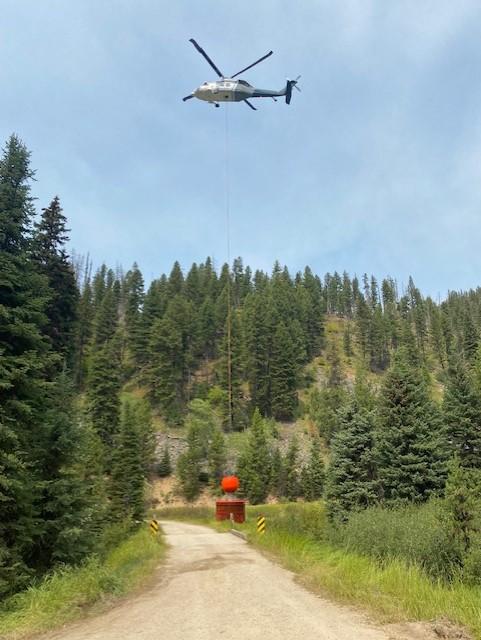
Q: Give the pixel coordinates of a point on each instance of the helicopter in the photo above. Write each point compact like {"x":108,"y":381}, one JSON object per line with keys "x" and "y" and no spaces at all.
{"x":227,"y":89}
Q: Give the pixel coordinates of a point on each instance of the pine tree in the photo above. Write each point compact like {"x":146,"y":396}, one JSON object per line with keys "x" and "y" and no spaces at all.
{"x":351,"y":480}
{"x":165,"y":369}
{"x":462,"y":416}
{"x":134,"y":294}
{"x":254,"y":465}
{"x":410,"y":451}
{"x":51,"y":260}
{"x":103,"y":403}
{"x":313,"y":474}
{"x":65,"y":508}
{"x":127,"y":491}
{"x":283,"y":375}
{"x":25,"y":365}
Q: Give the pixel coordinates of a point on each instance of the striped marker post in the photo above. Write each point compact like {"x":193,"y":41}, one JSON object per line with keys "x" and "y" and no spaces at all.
{"x":154,"y":527}
{"x":261,"y":525}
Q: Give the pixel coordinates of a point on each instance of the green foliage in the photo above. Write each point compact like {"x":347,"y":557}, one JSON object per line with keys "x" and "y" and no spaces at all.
{"x":462,"y":416}
{"x":53,"y":263}
{"x":351,"y":483}
{"x":254,"y":464}
{"x":128,"y":466}
{"x":414,"y":534}
{"x":410,"y":452}
{"x":164,"y":468}
{"x":313,"y":474}
{"x":103,"y":399}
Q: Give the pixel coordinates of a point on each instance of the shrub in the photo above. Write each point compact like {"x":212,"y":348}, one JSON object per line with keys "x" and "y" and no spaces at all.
{"x":414,"y":533}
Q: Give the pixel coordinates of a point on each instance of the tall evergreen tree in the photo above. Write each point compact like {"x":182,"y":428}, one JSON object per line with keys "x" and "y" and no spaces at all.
{"x":51,"y":259}
{"x":351,"y":479}
{"x":25,"y":363}
{"x":254,"y":464}
{"x":410,"y":451}
{"x":283,"y":375}
{"x":462,"y":416}
{"x":127,"y":479}
{"x":313,"y":474}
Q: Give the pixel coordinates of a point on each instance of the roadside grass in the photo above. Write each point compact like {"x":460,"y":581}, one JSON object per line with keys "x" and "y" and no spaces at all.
{"x":67,"y":593}
{"x":392,"y":590}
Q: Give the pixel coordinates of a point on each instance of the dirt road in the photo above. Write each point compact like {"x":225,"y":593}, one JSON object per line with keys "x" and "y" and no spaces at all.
{"x":216,"y":586}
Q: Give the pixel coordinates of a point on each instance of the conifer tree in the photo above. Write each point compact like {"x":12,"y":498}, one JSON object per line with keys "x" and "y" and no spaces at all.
{"x":462,"y":416}
{"x":127,"y":480}
{"x":313,"y":474}
{"x":165,"y":369}
{"x":254,"y":465}
{"x":103,"y":403}
{"x":283,"y":375}
{"x":410,"y":452}
{"x":25,"y":364}
{"x":134,"y":285}
{"x":351,"y":480}
{"x":51,"y":259}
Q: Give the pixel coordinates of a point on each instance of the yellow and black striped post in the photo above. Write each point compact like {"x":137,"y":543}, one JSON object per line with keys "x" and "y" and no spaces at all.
{"x":261,"y":525}
{"x":154,"y":527}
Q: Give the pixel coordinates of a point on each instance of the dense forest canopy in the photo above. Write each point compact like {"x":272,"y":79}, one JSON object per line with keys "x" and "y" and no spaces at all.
{"x":394,"y":397}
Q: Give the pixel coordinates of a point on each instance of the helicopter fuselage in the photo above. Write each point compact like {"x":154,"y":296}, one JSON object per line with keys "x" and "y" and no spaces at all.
{"x":229,"y":90}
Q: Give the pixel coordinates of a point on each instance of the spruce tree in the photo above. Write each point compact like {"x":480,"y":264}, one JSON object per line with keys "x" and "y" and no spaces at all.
{"x":283,"y":375}
{"x":26,"y":362}
{"x":51,"y":259}
{"x":462,"y":416}
{"x":351,"y":475}
{"x":313,"y":474}
{"x":103,"y":400}
{"x":410,"y":450}
{"x":164,"y":373}
{"x":127,"y":480}
{"x":254,"y":465}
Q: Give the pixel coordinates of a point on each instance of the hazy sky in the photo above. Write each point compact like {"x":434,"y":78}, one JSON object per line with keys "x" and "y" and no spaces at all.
{"x":375,"y":166}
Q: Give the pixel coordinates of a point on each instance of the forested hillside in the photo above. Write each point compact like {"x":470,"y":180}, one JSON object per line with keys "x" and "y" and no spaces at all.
{"x":89,"y":355}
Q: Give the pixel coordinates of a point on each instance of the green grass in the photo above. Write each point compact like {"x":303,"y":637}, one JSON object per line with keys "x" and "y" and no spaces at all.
{"x":393,"y":591}
{"x":67,"y":593}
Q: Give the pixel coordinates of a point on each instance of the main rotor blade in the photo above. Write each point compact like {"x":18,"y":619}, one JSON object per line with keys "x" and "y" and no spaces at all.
{"x":203,"y":53}
{"x":250,"y":105}
{"x":188,"y":97}
{"x":253,"y":64}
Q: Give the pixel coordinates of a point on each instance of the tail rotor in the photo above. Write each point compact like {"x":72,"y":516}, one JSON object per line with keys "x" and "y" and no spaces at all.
{"x":290,"y":84}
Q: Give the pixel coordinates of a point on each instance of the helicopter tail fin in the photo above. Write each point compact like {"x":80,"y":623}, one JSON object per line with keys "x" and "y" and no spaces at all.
{"x":290,"y":84}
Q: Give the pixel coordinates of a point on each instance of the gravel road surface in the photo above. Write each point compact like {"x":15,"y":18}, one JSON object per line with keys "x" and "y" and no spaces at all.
{"x":215,"y":586}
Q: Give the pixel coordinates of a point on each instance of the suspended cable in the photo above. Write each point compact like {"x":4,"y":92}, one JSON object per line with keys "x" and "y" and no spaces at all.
{"x":229,"y":310}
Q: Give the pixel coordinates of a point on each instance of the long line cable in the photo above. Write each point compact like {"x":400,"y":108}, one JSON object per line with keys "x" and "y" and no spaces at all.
{"x":229,"y":310}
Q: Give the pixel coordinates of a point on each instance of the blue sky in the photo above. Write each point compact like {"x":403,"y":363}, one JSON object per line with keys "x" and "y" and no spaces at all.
{"x":375,"y":166}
